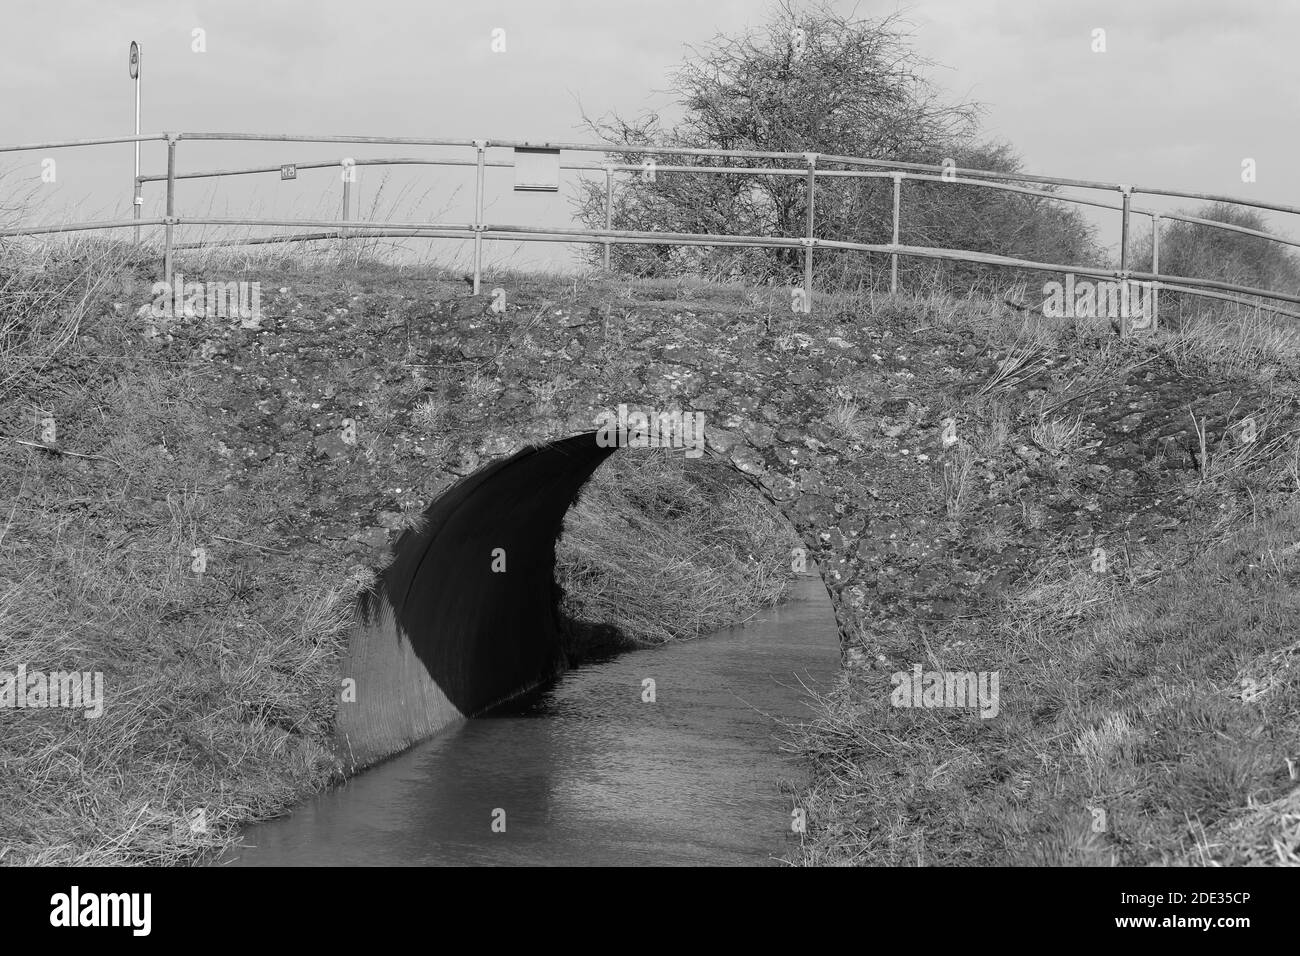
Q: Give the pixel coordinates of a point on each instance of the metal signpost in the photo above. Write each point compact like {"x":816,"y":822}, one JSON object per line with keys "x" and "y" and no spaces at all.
{"x":137,"y":199}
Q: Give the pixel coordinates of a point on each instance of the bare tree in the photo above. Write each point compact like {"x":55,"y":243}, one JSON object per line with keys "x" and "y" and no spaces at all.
{"x":1190,"y":249}
{"x":812,"y":80}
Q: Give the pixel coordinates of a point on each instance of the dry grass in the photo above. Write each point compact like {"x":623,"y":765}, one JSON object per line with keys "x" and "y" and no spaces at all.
{"x":995,"y":436}
{"x":429,"y":413}
{"x":1121,"y":692}
{"x":1250,"y":344}
{"x":220,"y":687}
{"x":1149,"y":712}
{"x":1056,"y":436}
{"x":44,"y":295}
{"x":1023,"y":361}
{"x":1142,"y":722}
{"x":653,"y":530}
{"x":847,"y":419}
{"x":955,"y":483}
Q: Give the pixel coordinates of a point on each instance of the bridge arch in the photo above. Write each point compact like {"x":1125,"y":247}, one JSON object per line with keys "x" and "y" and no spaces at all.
{"x":467,"y":612}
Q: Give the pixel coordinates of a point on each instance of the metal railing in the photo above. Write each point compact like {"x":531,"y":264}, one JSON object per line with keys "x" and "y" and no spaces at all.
{"x":811,"y":167}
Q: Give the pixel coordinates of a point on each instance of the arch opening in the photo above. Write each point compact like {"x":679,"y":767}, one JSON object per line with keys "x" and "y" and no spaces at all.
{"x":465,"y":615}
{"x":468,"y":613}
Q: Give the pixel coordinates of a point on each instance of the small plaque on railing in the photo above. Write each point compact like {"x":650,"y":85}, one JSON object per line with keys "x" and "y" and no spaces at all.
{"x":289,"y":171}
{"x":537,"y":170}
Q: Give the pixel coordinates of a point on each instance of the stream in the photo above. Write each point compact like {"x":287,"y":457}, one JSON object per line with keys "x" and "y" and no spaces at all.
{"x":585,"y":772}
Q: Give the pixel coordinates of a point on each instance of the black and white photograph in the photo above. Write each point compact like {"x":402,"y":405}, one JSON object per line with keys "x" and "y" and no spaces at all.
{"x":765,"y":434}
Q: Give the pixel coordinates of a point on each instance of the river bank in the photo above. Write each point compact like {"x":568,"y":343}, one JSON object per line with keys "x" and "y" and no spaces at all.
{"x":1106,"y":525}
{"x":198,"y":530}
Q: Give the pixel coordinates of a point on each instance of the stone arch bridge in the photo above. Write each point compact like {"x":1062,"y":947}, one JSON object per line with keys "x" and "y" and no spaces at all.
{"x":861,"y":423}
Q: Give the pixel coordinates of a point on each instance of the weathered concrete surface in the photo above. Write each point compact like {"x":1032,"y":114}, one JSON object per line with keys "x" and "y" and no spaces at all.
{"x":467,"y":613}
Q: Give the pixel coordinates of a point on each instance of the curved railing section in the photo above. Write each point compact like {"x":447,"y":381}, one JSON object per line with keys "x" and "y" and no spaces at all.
{"x":810,"y":166}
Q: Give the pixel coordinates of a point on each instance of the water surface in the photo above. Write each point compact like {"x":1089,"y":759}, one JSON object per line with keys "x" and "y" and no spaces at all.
{"x":587,"y":772}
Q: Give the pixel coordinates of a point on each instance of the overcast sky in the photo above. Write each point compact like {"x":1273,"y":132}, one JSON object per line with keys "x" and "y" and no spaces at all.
{"x":1185,"y":91}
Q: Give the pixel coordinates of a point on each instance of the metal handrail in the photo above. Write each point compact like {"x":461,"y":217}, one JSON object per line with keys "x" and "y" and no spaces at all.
{"x":813,"y":165}
{"x":743,"y":170}
{"x":68,"y":143}
{"x":608,"y":148}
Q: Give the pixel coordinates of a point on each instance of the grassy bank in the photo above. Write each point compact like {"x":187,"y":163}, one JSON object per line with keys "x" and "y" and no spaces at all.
{"x":1149,"y":701}
{"x":665,"y":549}
{"x":1142,"y":725}
{"x":223,"y":683}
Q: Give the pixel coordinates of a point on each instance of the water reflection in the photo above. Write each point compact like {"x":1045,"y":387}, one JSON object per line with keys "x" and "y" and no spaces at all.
{"x":587,"y":772}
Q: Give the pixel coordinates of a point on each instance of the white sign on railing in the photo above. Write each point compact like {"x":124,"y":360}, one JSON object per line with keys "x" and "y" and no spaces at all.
{"x":537,"y":170}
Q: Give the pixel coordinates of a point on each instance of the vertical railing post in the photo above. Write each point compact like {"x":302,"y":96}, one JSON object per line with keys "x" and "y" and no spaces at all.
{"x":893,"y":264}
{"x":347,"y":166}
{"x":1126,"y":193}
{"x":171,"y":208}
{"x":609,"y":207}
{"x":481,"y":146}
{"x":137,"y":201}
{"x":1155,"y":268}
{"x":811,"y":159}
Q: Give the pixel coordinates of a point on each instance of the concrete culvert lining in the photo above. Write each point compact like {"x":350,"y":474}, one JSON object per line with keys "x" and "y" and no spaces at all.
{"x":466,"y":614}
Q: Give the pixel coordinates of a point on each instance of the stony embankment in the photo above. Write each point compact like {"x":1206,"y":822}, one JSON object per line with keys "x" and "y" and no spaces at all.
{"x":938,"y":459}
{"x":926,"y":463}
